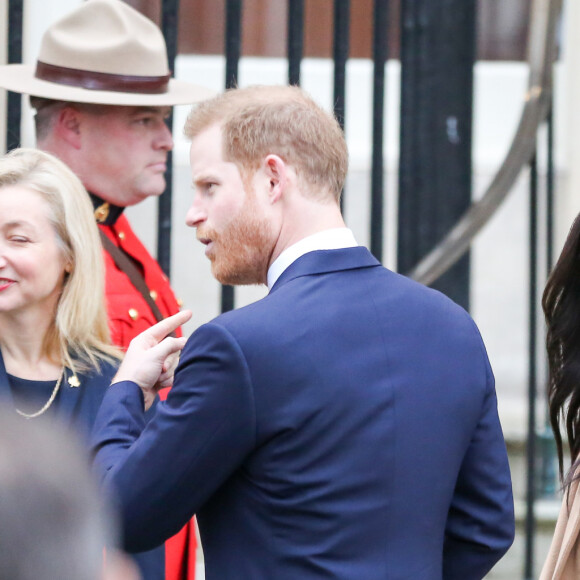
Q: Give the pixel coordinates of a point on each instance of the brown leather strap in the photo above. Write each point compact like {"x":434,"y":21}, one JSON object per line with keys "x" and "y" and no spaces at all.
{"x":124,"y":263}
{"x":101,"y":81}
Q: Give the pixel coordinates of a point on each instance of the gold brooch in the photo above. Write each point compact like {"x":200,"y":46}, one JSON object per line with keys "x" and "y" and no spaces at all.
{"x":74,"y":381}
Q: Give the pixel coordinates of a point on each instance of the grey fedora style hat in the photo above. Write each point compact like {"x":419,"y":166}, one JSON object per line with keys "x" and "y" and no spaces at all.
{"x":104,"y":52}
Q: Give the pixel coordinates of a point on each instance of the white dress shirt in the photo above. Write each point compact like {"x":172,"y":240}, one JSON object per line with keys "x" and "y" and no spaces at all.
{"x":333,"y":239}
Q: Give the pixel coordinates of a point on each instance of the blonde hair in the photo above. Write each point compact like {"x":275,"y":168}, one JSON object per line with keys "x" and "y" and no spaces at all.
{"x":281,"y":120}
{"x":80,"y":331}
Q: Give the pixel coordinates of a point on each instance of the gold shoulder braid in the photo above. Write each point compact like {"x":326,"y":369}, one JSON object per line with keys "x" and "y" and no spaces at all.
{"x":47,"y":404}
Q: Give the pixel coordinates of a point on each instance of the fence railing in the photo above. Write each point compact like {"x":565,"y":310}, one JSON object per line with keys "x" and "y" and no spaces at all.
{"x":522,"y":154}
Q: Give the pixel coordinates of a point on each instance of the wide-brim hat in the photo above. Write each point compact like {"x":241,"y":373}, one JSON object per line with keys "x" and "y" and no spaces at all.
{"x":104,"y":52}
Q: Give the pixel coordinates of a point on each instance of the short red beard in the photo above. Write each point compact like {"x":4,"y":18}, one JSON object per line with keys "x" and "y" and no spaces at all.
{"x":241,"y":254}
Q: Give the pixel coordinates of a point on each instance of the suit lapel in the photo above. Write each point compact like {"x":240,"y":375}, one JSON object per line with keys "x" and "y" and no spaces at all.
{"x":326,"y":261}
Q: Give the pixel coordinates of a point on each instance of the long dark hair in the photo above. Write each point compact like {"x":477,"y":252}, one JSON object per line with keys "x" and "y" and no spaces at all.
{"x":561,"y":304}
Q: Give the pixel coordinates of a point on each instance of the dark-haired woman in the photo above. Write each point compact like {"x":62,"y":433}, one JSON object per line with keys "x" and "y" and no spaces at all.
{"x":561,"y":304}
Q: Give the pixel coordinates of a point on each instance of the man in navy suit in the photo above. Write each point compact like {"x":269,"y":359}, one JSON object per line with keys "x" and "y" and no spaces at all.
{"x":345,"y":426}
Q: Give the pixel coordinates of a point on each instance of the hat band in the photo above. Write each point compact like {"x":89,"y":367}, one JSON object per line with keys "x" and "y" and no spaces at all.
{"x":101,"y":81}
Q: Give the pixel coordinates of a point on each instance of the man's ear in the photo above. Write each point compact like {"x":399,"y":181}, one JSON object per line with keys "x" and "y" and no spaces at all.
{"x":68,"y":126}
{"x":277,"y":174}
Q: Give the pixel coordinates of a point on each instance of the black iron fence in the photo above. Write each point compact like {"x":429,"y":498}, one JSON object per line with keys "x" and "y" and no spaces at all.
{"x":436,"y":221}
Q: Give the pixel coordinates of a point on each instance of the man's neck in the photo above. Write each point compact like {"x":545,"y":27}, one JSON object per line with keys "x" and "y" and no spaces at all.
{"x":303,"y":218}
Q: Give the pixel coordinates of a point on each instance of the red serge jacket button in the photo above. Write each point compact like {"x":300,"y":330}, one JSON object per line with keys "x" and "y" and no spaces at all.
{"x":121,"y":235}
{"x":153,"y":294}
{"x":134,"y":314}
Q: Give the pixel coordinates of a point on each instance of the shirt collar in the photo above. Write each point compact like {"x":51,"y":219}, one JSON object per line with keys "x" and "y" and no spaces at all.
{"x":333,"y":239}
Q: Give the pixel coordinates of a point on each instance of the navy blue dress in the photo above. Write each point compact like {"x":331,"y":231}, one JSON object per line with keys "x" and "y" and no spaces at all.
{"x":77,"y":407}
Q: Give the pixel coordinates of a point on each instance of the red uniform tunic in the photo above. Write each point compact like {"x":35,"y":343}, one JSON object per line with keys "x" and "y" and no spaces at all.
{"x":129,"y":314}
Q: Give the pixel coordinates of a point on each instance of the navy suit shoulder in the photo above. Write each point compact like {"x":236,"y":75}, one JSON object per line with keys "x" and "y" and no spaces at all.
{"x":303,"y":286}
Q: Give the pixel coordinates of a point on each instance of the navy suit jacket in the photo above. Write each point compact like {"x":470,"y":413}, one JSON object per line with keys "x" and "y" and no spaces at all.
{"x":345,"y":426}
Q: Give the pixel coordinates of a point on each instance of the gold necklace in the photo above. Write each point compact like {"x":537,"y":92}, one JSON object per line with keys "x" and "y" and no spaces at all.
{"x":47,"y":404}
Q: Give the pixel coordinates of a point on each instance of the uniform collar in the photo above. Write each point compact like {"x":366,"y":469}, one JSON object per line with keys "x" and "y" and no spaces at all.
{"x":105,"y":213}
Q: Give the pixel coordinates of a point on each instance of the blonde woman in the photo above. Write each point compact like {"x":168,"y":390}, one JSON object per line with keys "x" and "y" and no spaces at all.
{"x":55,"y":352}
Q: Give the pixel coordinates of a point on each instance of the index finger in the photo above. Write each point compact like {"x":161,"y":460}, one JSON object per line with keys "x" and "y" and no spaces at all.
{"x":162,"y":329}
